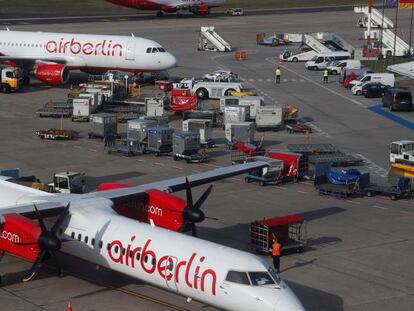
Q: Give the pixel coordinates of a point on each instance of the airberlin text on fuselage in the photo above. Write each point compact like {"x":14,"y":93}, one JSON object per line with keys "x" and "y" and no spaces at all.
{"x":150,"y":263}
{"x":104,"y":48}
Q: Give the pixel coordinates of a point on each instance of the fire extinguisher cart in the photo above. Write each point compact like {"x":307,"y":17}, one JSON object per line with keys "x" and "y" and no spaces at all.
{"x":290,"y":231}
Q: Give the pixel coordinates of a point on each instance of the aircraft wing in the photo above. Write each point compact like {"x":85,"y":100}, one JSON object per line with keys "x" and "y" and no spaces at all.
{"x":46,"y":209}
{"x":179,"y":183}
{"x":69,"y":60}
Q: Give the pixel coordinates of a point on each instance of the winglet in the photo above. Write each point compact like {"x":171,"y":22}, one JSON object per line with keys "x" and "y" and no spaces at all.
{"x":7,"y":28}
{"x":152,"y":223}
{"x":132,"y":35}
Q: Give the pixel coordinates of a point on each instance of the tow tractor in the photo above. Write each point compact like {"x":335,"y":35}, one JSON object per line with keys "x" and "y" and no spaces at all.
{"x":402,"y":158}
{"x":10,"y":79}
{"x":64,"y":182}
{"x":206,"y":89}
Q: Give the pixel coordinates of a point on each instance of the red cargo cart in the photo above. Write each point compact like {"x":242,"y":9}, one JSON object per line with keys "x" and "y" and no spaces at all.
{"x":295,"y":165}
{"x":290,"y":231}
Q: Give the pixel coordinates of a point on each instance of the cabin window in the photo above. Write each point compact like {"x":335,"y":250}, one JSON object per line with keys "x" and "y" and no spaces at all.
{"x":72,"y":235}
{"x":93,"y":242}
{"x":138,"y":256}
{"x":154,"y":261}
{"x":123,"y":251}
{"x":116,"y":249}
{"x":86,"y":239}
{"x":261,"y":278}
{"x":146,"y":259}
{"x":238,"y":277}
{"x":79,"y":237}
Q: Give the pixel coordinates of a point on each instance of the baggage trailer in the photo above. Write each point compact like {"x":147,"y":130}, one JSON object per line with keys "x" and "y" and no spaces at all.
{"x":402,"y":189}
{"x":296,"y":165}
{"x":290,"y":231}
{"x":55,"y":134}
{"x":186,"y":145}
{"x":160,"y":140}
{"x":272,"y":174}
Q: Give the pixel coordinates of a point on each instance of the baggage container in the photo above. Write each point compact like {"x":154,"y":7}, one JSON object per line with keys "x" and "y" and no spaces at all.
{"x":82,"y":109}
{"x":103,"y":125}
{"x":236,"y":114}
{"x":154,"y":106}
{"x":186,"y":145}
{"x":254,"y":102}
{"x":269,"y":117}
{"x":160,"y":140}
{"x":137,"y":129}
{"x":295,"y":165}
{"x":96,"y":100}
{"x":202,"y":127}
{"x":273,"y":173}
{"x":201,"y":114}
{"x":240,"y":131}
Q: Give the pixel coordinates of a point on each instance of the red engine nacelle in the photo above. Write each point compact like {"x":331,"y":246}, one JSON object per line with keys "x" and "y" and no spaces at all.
{"x":55,"y":74}
{"x":9,"y":63}
{"x":201,"y":9}
{"x":165,"y":210}
{"x":19,"y":229}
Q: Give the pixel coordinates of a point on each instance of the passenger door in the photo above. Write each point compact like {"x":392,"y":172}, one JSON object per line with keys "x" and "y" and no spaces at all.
{"x":130,"y":50}
{"x":170,"y":270}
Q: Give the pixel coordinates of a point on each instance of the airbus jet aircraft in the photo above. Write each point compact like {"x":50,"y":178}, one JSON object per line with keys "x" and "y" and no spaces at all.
{"x":51,"y":56}
{"x":199,"y":7}
{"x":87,"y":226}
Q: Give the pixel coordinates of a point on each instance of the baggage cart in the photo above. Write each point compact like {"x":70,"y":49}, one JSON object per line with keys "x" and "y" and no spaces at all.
{"x":103,"y":125}
{"x":296,"y":165}
{"x":241,"y":151}
{"x":290,"y":231}
{"x":82,"y":109}
{"x":239,"y":131}
{"x":137,"y":129}
{"x":154,"y":106}
{"x":236,"y":114}
{"x":269,"y":117}
{"x":203,"y":127}
{"x":55,"y":134}
{"x":336,"y":159}
{"x":186,"y":145}
{"x":312,"y":148}
{"x":298,"y":127}
{"x":160,"y":140}
{"x":402,"y":189}
{"x":124,"y":147}
{"x":272,"y":174}
{"x":327,"y":186}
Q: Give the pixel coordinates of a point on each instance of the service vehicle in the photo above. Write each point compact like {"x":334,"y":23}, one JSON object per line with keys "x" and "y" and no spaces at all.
{"x":357,"y":89}
{"x":273,"y":40}
{"x":337,"y":66}
{"x":57,"y":134}
{"x":290,"y":231}
{"x":321,"y":60}
{"x":10,"y":79}
{"x":402,"y":152}
{"x":384,"y":78}
{"x":221,"y":76}
{"x":235,"y":12}
{"x":398,"y":99}
{"x":374,"y":90}
{"x":300,"y":55}
{"x":207,"y":89}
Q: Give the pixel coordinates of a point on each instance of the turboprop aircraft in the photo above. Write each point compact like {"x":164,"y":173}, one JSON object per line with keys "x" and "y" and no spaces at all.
{"x":34,"y":224}
{"x":50,"y":57}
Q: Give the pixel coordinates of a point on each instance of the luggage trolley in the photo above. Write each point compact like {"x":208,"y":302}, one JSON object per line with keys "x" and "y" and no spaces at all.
{"x":290,"y":231}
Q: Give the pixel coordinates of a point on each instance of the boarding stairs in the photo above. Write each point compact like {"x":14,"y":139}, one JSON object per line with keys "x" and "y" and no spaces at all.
{"x":210,"y":40}
{"x":376,"y":18}
{"x":314,"y":44}
{"x":336,"y":40}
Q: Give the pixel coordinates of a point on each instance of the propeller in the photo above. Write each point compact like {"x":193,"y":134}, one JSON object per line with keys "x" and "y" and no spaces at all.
{"x":48,"y":242}
{"x":192,"y":213}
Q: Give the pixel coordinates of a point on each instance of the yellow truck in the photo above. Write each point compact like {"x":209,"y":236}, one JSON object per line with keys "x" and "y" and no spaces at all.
{"x":10,"y":79}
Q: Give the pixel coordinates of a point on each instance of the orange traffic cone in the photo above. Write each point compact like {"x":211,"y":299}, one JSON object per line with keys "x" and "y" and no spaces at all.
{"x":69,"y":307}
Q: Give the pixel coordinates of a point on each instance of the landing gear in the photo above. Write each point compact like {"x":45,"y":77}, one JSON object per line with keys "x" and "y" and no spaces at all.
{"x":160,"y":14}
{"x":26,"y":80}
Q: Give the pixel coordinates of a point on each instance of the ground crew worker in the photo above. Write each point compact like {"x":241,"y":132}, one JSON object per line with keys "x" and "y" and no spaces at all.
{"x":325,"y":76}
{"x":276,"y":255}
{"x":278,"y":74}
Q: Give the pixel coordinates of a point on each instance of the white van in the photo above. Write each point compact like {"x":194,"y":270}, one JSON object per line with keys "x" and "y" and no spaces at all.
{"x":320,"y":61}
{"x":336,"y":67}
{"x":384,"y":78}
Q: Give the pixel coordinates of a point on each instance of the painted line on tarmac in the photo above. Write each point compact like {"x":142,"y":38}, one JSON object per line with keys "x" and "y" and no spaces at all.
{"x":271,"y":60}
{"x":407,"y":213}
{"x":236,"y":179}
{"x":140,"y":160}
{"x":353,"y":202}
{"x":392,"y":117}
{"x":303,"y":192}
{"x":158,"y":163}
{"x":196,"y":171}
{"x":373,"y":167}
{"x":279,"y":187}
{"x":77,"y":147}
{"x":211,"y":165}
{"x":380,"y":207}
{"x":177,"y":167}
{"x":93,"y":150}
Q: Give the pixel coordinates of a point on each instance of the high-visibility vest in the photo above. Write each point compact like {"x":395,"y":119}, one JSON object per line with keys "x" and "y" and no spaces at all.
{"x":278,"y":72}
{"x":325,"y":73}
{"x":276,"y":249}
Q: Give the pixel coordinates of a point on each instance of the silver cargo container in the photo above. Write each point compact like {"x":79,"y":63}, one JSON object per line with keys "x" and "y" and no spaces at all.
{"x":137,"y":129}
{"x":186,"y":143}
{"x":269,"y":117}
{"x":154,"y":106}
{"x":240,"y":131}
{"x":160,"y":139}
{"x":103,"y":125}
{"x":203,"y":127}
{"x":254,"y":102}
{"x":236,"y":114}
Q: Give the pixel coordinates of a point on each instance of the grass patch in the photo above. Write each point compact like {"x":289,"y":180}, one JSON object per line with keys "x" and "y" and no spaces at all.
{"x":381,"y":65}
{"x":88,"y":7}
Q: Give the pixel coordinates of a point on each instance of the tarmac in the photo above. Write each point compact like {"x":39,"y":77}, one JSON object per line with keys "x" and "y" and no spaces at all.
{"x":360,"y":253}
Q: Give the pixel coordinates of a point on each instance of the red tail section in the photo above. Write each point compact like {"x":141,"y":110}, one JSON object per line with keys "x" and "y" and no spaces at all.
{"x":17,"y":229}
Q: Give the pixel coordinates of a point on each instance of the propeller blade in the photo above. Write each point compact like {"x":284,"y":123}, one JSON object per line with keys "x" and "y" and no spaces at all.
{"x":212,"y":218}
{"x":32,"y":272}
{"x":60,"y":220}
{"x":203,"y":197}
{"x":40,"y":219}
{"x":193,"y":229}
{"x":58,"y":267}
{"x":189,"y":194}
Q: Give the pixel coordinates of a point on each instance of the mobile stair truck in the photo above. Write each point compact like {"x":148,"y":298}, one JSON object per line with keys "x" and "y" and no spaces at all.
{"x":186,"y":145}
{"x":290,"y":231}
{"x":310,"y":48}
{"x":210,"y":40}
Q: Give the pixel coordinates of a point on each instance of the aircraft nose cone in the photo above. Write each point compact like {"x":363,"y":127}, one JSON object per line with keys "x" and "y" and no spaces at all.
{"x":288,"y":300}
{"x":170,"y":60}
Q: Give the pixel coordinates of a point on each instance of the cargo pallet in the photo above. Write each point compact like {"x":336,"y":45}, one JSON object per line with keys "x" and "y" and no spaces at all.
{"x":124,"y":147}
{"x":337,"y":159}
{"x":191,"y":158}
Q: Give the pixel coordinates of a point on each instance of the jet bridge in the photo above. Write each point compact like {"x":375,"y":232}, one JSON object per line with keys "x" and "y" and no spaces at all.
{"x":210,"y":40}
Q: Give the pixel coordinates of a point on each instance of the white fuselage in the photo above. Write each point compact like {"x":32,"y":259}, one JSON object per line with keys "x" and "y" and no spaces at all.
{"x":185,"y":265}
{"x":81,"y":51}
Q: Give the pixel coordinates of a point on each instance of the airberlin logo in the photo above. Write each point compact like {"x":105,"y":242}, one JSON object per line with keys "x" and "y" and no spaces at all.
{"x":5,"y":235}
{"x":104,"y":48}
{"x":179,"y":272}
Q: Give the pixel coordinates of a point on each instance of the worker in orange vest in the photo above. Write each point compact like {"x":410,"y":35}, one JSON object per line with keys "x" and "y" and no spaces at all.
{"x":276,"y":247}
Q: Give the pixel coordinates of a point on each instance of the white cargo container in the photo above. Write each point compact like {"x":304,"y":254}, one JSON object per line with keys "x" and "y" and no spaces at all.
{"x":95,"y":98}
{"x":240,"y":131}
{"x":253,"y":102}
{"x":203,"y":127}
{"x":236,"y":114}
{"x":269,"y":117}
{"x":100,"y":97}
{"x":82,"y":109}
{"x":154,"y":107}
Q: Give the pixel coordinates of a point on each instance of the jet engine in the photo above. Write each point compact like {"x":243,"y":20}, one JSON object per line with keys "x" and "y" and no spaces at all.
{"x":55,"y":74}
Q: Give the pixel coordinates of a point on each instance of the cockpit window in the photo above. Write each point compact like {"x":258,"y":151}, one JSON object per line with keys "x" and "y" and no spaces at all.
{"x":162,"y":50}
{"x":237,"y":277}
{"x":149,"y":50}
{"x":261,"y":278}
{"x":154,"y":50}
